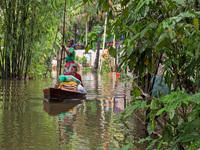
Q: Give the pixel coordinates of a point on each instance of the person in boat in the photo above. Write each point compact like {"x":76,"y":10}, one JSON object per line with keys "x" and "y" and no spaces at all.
{"x":70,"y":57}
{"x":78,"y":76}
{"x":75,"y":74}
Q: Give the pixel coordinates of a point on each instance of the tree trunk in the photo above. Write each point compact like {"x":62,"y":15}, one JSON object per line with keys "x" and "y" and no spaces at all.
{"x":104,"y":34}
{"x":7,"y":41}
{"x":96,"y":63}
{"x":86,"y":32}
{"x":75,"y":31}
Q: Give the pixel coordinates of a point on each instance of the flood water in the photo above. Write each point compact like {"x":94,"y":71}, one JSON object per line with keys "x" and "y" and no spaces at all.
{"x":29,"y":122}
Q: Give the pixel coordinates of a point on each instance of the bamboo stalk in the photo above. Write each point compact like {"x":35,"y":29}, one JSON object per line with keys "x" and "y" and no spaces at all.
{"x":63,"y":37}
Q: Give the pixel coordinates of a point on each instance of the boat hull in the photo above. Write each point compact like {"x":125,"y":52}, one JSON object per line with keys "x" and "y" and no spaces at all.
{"x":58,"y":94}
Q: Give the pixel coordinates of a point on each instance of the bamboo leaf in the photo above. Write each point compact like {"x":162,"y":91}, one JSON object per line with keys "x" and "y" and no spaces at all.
{"x":196,"y":23}
{"x":132,"y":62}
{"x":161,"y":111}
{"x":129,"y":51}
{"x":197,"y":51}
{"x":126,"y":12}
{"x":163,"y":40}
{"x":159,"y":145}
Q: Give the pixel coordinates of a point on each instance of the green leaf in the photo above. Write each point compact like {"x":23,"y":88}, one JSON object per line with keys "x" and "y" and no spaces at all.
{"x":129,"y":51}
{"x":163,"y":40}
{"x":152,"y":144}
{"x":189,"y":137}
{"x":196,"y":98}
{"x":149,"y":128}
{"x":87,"y":49}
{"x":180,"y":2}
{"x":175,"y":61}
{"x":159,"y":145}
{"x":191,"y":147}
{"x":197,"y":51}
{"x":131,"y":63}
{"x":112,"y":52}
{"x":171,"y":113}
{"x":143,"y":32}
{"x":196,"y":23}
{"x":144,"y":140}
{"x":126,"y":147}
{"x":167,"y":134}
{"x":136,"y":92}
{"x":161,"y":111}
{"x":94,"y":46}
{"x":126,"y":12}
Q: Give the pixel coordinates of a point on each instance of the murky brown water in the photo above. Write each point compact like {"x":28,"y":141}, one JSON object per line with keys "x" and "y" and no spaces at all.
{"x":27,"y":121}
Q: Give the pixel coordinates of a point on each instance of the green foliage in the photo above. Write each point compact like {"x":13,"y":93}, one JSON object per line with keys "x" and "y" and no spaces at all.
{"x":30,"y":31}
{"x":84,"y":61}
{"x":180,"y":112}
{"x":105,"y":67}
{"x":87,"y":69}
{"x":93,"y":37}
{"x":161,"y":32}
{"x":124,"y":77}
{"x":81,"y":60}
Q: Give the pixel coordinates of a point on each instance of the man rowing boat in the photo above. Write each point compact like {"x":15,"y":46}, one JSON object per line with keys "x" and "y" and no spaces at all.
{"x":70,"y":57}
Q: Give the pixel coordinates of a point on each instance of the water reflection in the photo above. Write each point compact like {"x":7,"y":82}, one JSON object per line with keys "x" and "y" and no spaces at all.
{"x":30,"y":123}
{"x":54,"y":108}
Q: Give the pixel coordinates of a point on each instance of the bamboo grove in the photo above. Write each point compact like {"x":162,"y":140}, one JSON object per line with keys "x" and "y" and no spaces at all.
{"x":28,"y":29}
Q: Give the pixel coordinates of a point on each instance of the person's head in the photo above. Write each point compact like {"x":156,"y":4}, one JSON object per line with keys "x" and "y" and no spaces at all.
{"x":69,"y":44}
{"x":74,"y":69}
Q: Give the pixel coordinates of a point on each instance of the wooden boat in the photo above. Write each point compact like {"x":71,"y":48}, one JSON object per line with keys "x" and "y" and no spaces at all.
{"x":60,"y":94}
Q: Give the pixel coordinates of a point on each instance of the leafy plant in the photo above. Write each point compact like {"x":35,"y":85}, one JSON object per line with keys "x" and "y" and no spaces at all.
{"x":179,"y":115}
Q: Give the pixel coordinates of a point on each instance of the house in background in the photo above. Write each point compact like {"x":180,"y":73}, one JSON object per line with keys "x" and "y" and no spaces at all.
{"x":91,"y":55}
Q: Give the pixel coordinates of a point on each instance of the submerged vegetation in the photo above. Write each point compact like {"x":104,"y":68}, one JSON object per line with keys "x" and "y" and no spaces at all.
{"x":160,"y":37}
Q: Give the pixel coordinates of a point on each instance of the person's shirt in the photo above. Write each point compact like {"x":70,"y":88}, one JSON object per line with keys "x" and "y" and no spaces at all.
{"x":78,"y":76}
{"x":70,"y":57}
{"x":54,"y":62}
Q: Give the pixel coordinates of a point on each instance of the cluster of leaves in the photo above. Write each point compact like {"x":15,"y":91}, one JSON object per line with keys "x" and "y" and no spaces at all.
{"x":158,"y":31}
{"x":105,"y":67}
{"x":93,"y":37}
{"x":124,"y":77}
{"x":81,"y":60}
{"x":161,"y":32}
{"x":106,"y":62}
{"x":179,"y":113}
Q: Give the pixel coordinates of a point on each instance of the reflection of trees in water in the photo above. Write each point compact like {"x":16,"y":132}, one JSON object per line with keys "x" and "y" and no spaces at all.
{"x":20,"y":116}
{"x":94,"y":127}
{"x":13,"y":93}
{"x":95,"y":124}
{"x":65,"y":125}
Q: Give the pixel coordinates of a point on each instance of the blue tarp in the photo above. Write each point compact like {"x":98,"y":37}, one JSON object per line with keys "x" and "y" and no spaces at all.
{"x":159,"y":88}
